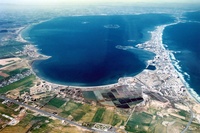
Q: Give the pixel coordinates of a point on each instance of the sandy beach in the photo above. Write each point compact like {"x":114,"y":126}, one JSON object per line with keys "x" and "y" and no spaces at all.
{"x":164,"y":62}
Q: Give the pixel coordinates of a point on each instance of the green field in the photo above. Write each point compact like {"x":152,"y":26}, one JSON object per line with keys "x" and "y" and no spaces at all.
{"x":8,"y":109}
{"x":80,"y":112}
{"x":27,"y":81}
{"x":17,"y":71}
{"x":89,"y":95}
{"x":70,"y":107}
{"x":45,"y":100}
{"x":28,"y":123}
{"x":1,"y":77}
{"x":56,"y":102}
{"x":40,"y":121}
{"x":183,"y":113}
{"x":98,"y":117}
{"x":116,"y":120}
{"x":139,"y":122}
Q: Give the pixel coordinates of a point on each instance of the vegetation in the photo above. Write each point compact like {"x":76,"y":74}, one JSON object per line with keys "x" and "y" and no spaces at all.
{"x":183,"y":113}
{"x":87,"y":118}
{"x":1,"y":77}
{"x":8,"y":109}
{"x":98,"y":117}
{"x":21,"y":127}
{"x":116,"y":120}
{"x":56,"y":102}
{"x":17,"y":71}
{"x":80,"y":112}
{"x":89,"y":95}
{"x":44,"y":99}
{"x":10,"y":47}
{"x":26,"y":120}
{"x":139,"y":122}
{"x":39,"y":121}
{"x":70,"y":107}
{"x":27,"y":81}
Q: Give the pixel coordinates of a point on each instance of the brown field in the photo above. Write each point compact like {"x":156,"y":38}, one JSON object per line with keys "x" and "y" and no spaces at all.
{"x":16,"y":65}
{"x":108,"y":116}
{"x":7,"y":61}
{"x":3,"y":74}
{"x":57,"y":127}
{"x":16,"y":129}
{"x":51,"y":109}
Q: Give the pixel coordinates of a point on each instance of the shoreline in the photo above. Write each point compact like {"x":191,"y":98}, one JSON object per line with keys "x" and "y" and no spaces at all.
{"x":44,"y":57}
{"x":192,"y":94}
{"x":190,"y":91}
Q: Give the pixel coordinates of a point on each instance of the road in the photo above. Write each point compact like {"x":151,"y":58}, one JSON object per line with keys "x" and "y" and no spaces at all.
{"x":190,"y":121}
{"x":130,"y":115}
{"x":42,"y":112}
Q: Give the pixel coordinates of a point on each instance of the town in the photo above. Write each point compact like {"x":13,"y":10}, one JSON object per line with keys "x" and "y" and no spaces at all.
{"x":153,"y":96}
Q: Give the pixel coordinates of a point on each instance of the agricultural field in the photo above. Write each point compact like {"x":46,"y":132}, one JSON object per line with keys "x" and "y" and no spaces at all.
{"x":21,"y":127}
{"x":98,"y":117}
{"x":39,"y":124}
{"x":69,"y":108}
{"x":43,"y":99}
{"x":56,"y":102}
{"x":1,"y":77}
{"x":23,"y":83}
{"x":139,"y":122}
{"x":86,"y":113}
{"x":8,"y":108}
{"x":55,"y":126}
{"x":143,"y":122}
{"x":16,"y":71}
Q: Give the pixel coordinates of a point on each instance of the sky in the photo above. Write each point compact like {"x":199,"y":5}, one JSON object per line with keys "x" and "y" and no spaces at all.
{"x":93,"y":1}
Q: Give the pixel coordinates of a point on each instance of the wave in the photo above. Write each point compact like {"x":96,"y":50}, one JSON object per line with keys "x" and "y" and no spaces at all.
{"x":183,"y":75}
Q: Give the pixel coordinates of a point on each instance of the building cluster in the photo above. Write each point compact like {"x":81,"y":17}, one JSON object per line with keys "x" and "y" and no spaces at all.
{"x":165,"y":81}
{"x":72,"y":93}
{"x":102,"y":127}
{"x":42,"y":87}
{"x":30,"y":51}
{"x":60,"y":91}
{"x":15,"y":78}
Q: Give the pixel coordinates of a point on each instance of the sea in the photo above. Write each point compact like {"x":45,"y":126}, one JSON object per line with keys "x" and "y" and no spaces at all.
{"x":98,"y":50}
{"x":183,"y":39}
{"x":88,"y":50}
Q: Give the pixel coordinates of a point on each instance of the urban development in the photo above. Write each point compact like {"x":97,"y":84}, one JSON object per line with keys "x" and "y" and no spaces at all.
{"x":155,"y":100}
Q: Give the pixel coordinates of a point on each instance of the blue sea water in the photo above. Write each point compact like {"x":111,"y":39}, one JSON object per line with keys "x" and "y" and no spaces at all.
{"x":83,"y":48}
{"x":185,"y":37}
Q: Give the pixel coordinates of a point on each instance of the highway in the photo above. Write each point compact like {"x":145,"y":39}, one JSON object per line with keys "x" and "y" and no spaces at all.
{"x":42,"y":112}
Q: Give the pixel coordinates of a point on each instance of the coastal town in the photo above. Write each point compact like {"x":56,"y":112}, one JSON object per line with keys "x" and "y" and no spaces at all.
{"x":158,"y":99}
{"x":162,"y":89}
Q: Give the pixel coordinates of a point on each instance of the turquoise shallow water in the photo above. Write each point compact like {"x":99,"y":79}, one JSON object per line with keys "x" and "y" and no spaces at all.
{"x":83,"y":49}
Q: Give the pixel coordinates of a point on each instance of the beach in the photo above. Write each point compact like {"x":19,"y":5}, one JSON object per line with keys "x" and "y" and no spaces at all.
{"x":174,"y":81}
{"x":86,"y":64}
{"x":170,"y":81}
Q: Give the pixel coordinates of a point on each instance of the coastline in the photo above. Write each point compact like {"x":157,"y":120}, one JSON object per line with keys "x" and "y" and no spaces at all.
{"x":158,"y":31}
{"x":38,"y":56}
